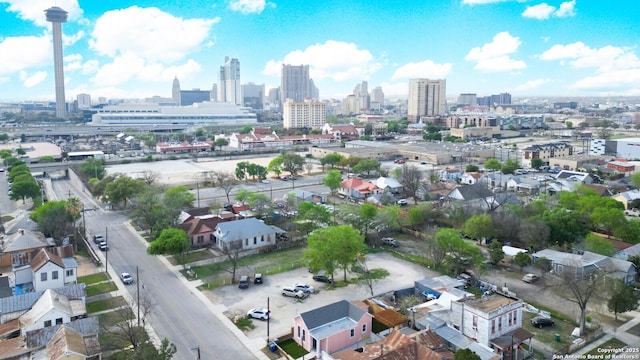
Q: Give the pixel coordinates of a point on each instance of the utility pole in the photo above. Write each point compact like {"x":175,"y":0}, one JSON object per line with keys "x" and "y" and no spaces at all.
{"x":106,"y":252}
{"x":268,"y":319}
{"x":138,"y":290}
{"x":198,"y":192}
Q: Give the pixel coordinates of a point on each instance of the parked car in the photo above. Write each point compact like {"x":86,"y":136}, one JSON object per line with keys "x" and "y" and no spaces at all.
{"x":307,"y":289}
{"x":126,"y":278}
{"x":403,"y":202}
{"x":529,"y":278}
{"x":541,"y":322}
{"x":97,"y":239}
{"x":262,"y":314}
{"x":244,"y":282}
{"x":389,"y":241}
{"x":322,"y":277}
{"x":292,"y":292}
{"x":257,"y":278}
{"x":103,"y":246}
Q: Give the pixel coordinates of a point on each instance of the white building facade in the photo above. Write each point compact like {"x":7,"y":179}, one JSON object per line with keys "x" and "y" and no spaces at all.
{"x":307,"y":114}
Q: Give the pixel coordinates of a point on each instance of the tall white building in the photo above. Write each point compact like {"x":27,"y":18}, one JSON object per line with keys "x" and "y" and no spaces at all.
{"x":468,"y":99}
{"x":361,"y":91}
{"x":426,"y":98}
{"x":84,"y":101}
{"x":377,"y":95}
{"x":294,"y":83}
{"x":230,"y":88}
{"x":307,"y":114}
{"x":175,"y":91}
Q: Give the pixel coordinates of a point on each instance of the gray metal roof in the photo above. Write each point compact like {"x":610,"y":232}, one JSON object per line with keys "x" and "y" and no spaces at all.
{"x":330,"y":313}
{"x":24,"y":302}
{"x":85,"y":326}
{"x":245,"y":228}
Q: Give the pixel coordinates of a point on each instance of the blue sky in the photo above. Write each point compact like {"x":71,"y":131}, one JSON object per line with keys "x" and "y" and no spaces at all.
{"x":133,"y":49}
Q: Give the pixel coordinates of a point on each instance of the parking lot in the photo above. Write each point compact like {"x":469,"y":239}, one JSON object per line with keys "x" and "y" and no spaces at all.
{"x":283,"y":309}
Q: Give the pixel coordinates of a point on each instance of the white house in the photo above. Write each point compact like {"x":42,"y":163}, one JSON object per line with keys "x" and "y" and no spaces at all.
{"x":50,"y":309}
{"x":389,"y":184}
{"x":49,"y":271}
{"x":471,"y":178}
{"x":245,"y":234}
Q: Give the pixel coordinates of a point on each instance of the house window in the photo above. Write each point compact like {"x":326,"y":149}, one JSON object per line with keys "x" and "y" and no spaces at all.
{"x":493,"y":326}
{"x":510,"y":319}
{"x":43,"y":276}
{"x":54,"y":275}
{"x":298,"y":332}
{"x":304,"y":335}
{"x":69,"y":272}
{"x":475,"y":322}
{"x":352,"y":333}
{"x":58,"y":321}
{"x":47,"y":323}
{"x":515,"y":314}
{"x":246,"y":242}
{"x":262,"y":238}
{"x":200,"y":239}
{"x":364,"y":328}
{"x":500,"y":323}
{"x":255,"y":240}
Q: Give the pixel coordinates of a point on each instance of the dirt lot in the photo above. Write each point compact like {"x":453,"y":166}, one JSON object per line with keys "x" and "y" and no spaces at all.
{"x":283,"y":309}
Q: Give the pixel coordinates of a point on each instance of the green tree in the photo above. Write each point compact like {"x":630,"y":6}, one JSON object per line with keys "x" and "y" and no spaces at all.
{"x":261,"y":204}
{"x":536,"y":163}
{"x":123,"y":188}
{"x":293,"y":163}
{"x":175,"y":200}
{"x":367,"y":213}
{"x":334,"y":247}
{"x":635,"y":180}
{"x":4,"y":137}
{"x":466,"y":354}
{"x":471,"y":168}
{"x":219,"y":143}
{"x":52,"y":218}
{"x":332,"y":181}
{"x":458,"y":253}
{"x":147,"y":351}
{"x":622,"y":299}
{"x":495,"y":252}
{"x":629,"y":232}
{"x":5,"y":153}
{"x":92,"y":167}
{"x":148,"y":209}
{"x":312,"y":216}
{"x":24,"y":186}
{"x":492,"y":164}
{"x":509,"y":166}
{"x":415,"y":217}
{"x":275,"y":165}
{"x":522,"y":259}
{"x":479,"y":226}
{"x":598,"y":245}
{"x":47,"y":159}
{"x":564,"y":226}
{"x":608,"y":219}
{"x":331,"y":160}
{"x":170,"y":241}
{"x":243,"y":195}
{"x":367,"y":165}
{"x":635,"y":259}
{"x":545,"y":265}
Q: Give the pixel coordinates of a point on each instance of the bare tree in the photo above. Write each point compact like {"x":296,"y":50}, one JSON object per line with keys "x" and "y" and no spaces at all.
{"x":308,"y":166}
{"x":128,"y":329}
{"x":232,"y":250}
{"x":412,"y":180}
{"x":579,"y":287}
{"x":150,"y":177}
{"x":225,"y":181}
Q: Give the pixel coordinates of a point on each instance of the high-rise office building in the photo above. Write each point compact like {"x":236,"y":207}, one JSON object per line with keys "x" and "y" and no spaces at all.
{"x":253,"y":95}
{"x":274,"y":96}
{"x":214,"y":92}
{"x":84,"y":101}
{"x":175,"y":91}
{"x":426,"y":98}
{"x":314,"y":93}
{"x":377,"y":95}
{"x":294,"y":83}
{"x":361,"y":91}
{"x":190,"y":97}
{"x":468,"y":99}
{"x":230,"y":88}
{"x":306,"y":114}
{"x":56,"y":16}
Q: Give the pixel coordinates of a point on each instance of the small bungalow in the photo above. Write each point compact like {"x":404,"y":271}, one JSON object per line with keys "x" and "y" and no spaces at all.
{"x":471,"y":178}
{"x":245,"y":234}
{"x":389,"y":184}
{"x":358,"y":189}
{"x":587,"y":262}
{"x":477,"y":196}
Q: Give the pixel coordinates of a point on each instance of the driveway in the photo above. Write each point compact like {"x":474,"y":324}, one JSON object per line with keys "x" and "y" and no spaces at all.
{"x":237,"y":301}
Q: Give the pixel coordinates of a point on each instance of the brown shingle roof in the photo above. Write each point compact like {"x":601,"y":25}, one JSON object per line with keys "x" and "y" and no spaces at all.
{"x":396,"y":346}
{"x":43,"y":257}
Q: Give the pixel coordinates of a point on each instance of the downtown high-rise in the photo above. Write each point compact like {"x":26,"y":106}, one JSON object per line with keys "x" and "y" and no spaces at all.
{"x":294,"y":83}
{"x":426,"y":98}
{"x":230,"y":89}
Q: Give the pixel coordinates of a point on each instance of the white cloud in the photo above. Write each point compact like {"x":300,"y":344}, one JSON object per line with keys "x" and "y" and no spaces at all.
{"x":543,"y":11}
{"x":32,"y":80}
{"x":566,"y":9}
{"x":33,"y":10}
{"x":72,"y":39}
{"x":22,"y":52}
{"x":494,"y":56}
{"x":149,"y":34}
{"x":335,"y":60}
{"x":129,"y":67}
{"x":540,"y":11}
{"x":250,"y":6}
{"x":533,"y":84}
{"x":72,"y":62}
{"x":615,"y":67}
{"x":90,"y":67}
{"x":399,"y":89}
{"x":424,"y":69}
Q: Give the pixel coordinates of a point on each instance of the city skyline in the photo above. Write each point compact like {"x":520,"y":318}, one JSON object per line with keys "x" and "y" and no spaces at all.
{"x":127,"y":49}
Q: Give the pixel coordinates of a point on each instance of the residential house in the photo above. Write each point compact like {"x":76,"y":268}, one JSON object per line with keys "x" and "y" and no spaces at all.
{"x":358,"y":189}
{"x":471,"y":178}
{"x":47,"y":270}
{"x":50,"y":309}
{"x":523,"y":184}
{"x":343,"y":131}
{"x":303,"y":195}
{"x":68,"y":343}
{"x":200,"y":229}
{"x":14,"y":306}
{"x":545,"y":152}
{"x":18,"y":247}
{"x":496,"y":180}
{"x":624,"y":254}
{"x":476,"y":196}
{"x":389,"y":184}
{"x":627,"y":197}
{"x":332,"y":328}
{"x":570,"y":180}
{"x":450,"y":174}
{"x":397,"y":345}
{"x":245,"y":234}
{"x":587,"y":262}
{"x":600,"y":189}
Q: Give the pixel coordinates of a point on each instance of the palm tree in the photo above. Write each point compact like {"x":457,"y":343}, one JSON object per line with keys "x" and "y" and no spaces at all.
{"x":73,"y":207}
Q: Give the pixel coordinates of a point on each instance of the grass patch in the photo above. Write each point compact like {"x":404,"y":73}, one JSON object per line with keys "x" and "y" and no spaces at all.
{"x":106,"y":304}
{"x":245,"y":324}
{"x":612,"y":343}
{"x":286,"y":260}
{"x":634,"y":330}
{"x":192,"y":256}
{"x":292,"y":348}
{"x":93,"y":278}
{"x":420,"y":260}
{"x":101,"y":288}
{"x":108,"y":320}
{"x":546,"y":335}
{"x":554,"y":314}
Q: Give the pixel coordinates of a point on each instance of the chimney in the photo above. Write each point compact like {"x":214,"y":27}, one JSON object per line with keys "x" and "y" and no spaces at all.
{"x":21,"y":231}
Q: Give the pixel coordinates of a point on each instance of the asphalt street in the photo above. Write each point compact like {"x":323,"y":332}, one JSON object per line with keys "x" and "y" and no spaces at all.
{"x":177,"y":313}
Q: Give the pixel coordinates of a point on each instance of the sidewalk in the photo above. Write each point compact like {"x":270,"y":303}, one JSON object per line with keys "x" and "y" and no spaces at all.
{"x":619,"y":333}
